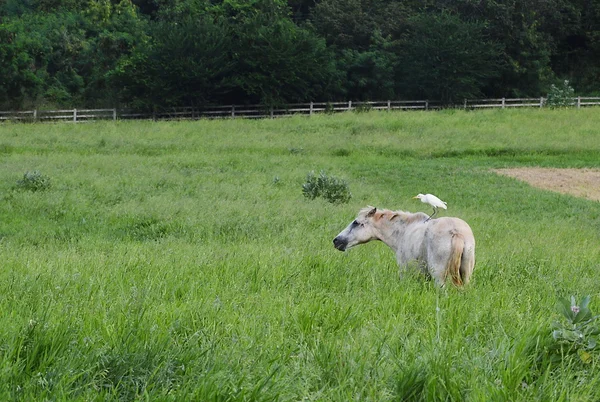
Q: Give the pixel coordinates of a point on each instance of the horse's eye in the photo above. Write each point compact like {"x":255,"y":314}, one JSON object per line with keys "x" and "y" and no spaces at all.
{"x":356,"y":223}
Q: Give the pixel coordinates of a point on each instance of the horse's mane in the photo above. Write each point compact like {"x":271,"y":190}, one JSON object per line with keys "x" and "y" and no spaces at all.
{"x":406,"y":217}
{"x":410,"y":217}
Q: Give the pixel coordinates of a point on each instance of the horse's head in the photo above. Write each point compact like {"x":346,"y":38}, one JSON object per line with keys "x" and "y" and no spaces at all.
{"x":360,"y":231}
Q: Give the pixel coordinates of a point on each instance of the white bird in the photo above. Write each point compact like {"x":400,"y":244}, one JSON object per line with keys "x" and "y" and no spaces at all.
{"x":433,"y":201}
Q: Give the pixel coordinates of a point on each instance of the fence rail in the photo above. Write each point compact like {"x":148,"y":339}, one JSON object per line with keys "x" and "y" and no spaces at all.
{"x":262,"y":111}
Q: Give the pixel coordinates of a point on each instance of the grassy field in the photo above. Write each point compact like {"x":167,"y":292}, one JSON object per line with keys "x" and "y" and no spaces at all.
{"x":180,"y":260}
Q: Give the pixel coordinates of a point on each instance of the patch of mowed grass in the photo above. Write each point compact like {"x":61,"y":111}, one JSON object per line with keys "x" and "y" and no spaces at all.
{"x":165,"y":262}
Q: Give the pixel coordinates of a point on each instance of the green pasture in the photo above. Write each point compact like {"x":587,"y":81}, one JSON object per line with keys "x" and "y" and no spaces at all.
{"x":180,"y":260}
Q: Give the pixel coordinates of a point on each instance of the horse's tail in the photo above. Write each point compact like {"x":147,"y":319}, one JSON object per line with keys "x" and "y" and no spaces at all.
{"x":467,"y":263}
{"x":454,"y":262}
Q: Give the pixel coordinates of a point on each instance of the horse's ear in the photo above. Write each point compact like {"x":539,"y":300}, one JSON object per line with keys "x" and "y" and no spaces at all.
{"x":371,"y":212}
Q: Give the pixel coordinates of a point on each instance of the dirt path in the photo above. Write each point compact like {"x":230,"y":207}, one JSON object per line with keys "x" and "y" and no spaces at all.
{"x":579,"y":182}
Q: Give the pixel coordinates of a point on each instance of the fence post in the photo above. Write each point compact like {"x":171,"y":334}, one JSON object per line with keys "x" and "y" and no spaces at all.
{"x":311,"y":108}
{"x":389,"y":105}
{"x":349,"y":105}
{"x":114,"y":113}
{"x":541,"y":101}
{"x":578,"y":102}
{"x":34,"y":114}
{"x":271,"y":111}
{"x":427,"y":105}
{"x":233,"y":111}
{"x":75,"y":115}
{"x":465,"y":103}
{"x":503,"y":103}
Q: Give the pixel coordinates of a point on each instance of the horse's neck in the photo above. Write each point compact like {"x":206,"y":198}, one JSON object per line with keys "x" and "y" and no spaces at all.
{"x":397,"y":234}
{"x":391,"y":233}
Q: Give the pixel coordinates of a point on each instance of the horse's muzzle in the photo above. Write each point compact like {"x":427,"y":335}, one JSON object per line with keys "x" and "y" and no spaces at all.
{"x":340,"y":244}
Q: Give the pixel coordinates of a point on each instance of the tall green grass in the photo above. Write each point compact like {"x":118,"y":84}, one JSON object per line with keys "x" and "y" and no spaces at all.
{"x":181,"y":261}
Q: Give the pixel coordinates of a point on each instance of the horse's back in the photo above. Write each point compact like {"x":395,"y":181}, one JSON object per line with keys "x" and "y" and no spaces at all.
{"x":447,"y":226}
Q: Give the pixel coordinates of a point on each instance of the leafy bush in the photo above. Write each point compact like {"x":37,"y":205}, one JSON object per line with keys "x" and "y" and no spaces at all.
{"x":561,"y":96}
{"x":329,"y":108}
{"x":579,"y":333}
{"x":363,"y":107}
{"x":331,"y":188}
{"x":34,"y":181}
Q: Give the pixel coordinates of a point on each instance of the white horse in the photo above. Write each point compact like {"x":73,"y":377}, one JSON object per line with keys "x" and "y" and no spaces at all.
{"x":442,"y":247}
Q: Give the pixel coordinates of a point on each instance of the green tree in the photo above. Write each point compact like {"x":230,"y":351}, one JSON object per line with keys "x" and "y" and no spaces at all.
{"x":233,"y":52}
{"x":185,"y":64}
{"x":18,"y":80}
{"x":62,"y":58}
{"x":526,"y":33}
{"x":44,"y":46}
{"x":352,"y":24}
{"x":445,"y":58}
{"x":277,"y":62}
{"x":114,"y":29}
{"x":370,"y":74}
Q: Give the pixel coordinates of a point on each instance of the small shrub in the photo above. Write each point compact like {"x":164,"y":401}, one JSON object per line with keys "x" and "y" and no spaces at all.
{"x":330,"y":188}
{"x":363,"y":107}
{"x":561,"y":96}
{"x":329,"y":108}
{"x":578,"y":331}
{"x":34,"y":181}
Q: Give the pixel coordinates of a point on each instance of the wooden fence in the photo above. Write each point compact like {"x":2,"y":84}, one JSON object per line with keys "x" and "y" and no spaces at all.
{"x":262,"y":111}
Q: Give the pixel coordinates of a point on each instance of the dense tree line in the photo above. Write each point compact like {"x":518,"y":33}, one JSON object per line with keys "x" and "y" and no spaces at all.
{"x":159,"y":53}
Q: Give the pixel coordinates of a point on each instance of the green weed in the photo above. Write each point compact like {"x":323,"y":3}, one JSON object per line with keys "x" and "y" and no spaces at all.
{"x":330,"y":188}
{"x":34,"y":181}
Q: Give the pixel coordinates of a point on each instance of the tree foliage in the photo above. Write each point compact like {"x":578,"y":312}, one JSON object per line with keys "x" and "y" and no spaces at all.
{"x":159,"y":53}
{"x":277,"y":61}
{"x":186,"y":63}
{"x":446,"y":58}
{"x":63,"y":57}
